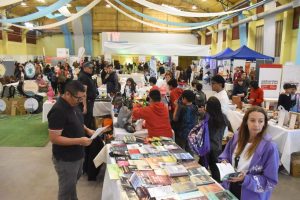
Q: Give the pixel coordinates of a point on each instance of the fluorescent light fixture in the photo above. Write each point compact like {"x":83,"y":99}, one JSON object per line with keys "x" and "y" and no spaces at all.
{"x":29,"y":25}
{"x":194,"y":7}
{"x":108,"y":6}
{"x":170,"y":7}
{"x":68,"y":5}
{"x":23,"y":4}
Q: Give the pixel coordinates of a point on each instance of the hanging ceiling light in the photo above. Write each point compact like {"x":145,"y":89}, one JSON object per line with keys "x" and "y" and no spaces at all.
{"x":23,"y":4}
{"x":194,"y":7}
{"x":41,"y":1}
{"x":108,"y":6}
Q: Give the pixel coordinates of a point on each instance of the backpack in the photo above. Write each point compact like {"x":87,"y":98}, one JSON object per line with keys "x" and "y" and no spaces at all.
{"x":198,"y":138}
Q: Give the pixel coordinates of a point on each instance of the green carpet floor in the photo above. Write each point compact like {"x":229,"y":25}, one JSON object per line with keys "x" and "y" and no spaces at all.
{"x":23,"y":131}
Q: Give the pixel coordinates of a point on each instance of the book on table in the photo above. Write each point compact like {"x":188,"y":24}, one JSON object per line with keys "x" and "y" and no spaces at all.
{"x":199,"y":171}
{"x":202,"y":179}
{"x":176,"y":170}
{"x":223,"y":195}
{"x":184,"y":187}
{"x":226,"y":171}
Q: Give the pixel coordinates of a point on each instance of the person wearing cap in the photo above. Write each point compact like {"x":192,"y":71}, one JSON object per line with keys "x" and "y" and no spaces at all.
{"x":217,"y":85}
{"x":85,"y":77}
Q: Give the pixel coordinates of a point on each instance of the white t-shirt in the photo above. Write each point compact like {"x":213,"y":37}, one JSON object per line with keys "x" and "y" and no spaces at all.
{"x":224,"y":100}
{"x":244,"y":163}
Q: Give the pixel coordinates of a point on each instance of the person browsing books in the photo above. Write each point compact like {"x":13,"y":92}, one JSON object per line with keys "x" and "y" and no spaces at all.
{"x":217,"y":124}
{"x":67,"y":134}
{"x":156,"y":116}
{"x":255,"y":156}
{"x":186,"y":115}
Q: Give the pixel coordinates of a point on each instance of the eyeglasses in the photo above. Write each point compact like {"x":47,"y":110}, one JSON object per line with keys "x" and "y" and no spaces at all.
{"x":79,"y":99}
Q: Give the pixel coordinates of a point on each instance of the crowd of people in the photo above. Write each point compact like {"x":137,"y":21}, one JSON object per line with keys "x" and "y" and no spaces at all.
{"x":171,"y":111}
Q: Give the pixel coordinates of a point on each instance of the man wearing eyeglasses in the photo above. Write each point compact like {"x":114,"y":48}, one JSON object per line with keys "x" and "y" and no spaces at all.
{"x":67,"y":134}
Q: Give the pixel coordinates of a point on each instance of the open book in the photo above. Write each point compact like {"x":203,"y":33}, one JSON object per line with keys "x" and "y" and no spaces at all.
{"x":98,"y":132}
{"x":226,"y":171}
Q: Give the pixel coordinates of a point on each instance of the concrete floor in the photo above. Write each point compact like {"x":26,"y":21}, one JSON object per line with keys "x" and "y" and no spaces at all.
{"x":28,"y":174}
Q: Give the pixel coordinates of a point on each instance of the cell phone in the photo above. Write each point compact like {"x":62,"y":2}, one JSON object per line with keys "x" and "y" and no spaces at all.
{"x":233,"y":175}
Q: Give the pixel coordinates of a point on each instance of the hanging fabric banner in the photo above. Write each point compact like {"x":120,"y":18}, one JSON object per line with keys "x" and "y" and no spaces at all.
{"x":190,"y":14}
{"x":67,"y":36}
{"x":49,"y":9}
{"x":87,"y":23}
{"x":8,"y":2}
{"x":67,"y":20}
{"x":77,"y":34}
{"x":243,"y":31}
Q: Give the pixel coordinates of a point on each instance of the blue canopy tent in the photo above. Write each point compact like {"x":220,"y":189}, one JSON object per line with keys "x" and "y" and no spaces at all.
{"x":245,"y":53}
{"x":222,"y":53}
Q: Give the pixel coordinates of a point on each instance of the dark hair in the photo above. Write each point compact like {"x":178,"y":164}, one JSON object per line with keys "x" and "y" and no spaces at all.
{"x":152,"y":80}
{"x":109,"y":65}
{"x":218,"y":79}
{"x":294,"y":86}
{"x":244,"y":134}
{"x":188,"y":95}
{"x":155,"y":95}
{"x":88,"y":64}
{"x":254,"y":84}
{"x":239,"y":80}
{"x":287,"y":86}
{"x":133,"y":84}
{"x":173,"y":83}
{"x":199,"y":86}
{"x":214,"y":109}
{"x":74,"y":87}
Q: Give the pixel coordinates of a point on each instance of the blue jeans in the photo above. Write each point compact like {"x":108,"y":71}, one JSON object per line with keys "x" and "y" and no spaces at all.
{"x":68,"y":174}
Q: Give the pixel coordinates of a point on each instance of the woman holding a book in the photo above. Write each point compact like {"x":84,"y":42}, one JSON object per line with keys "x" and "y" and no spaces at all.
{"x":254,"y":156}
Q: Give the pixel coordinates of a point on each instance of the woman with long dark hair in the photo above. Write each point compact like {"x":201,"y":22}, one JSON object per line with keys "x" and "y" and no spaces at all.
{"x":217,"y":124}
{"x":253,"y":154}
{"x":130,"y":88}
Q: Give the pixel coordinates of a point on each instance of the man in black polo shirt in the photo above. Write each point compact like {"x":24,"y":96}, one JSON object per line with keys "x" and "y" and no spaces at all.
{"x":85,"y":77}
{"x":67,"y":134}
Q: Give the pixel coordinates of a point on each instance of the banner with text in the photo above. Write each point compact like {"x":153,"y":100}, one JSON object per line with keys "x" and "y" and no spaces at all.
{"x":270,"y":79}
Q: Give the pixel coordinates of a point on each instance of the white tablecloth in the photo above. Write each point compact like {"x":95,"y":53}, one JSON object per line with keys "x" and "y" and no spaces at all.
{"x":286,"y":140}
{"x":101,"y":108}
{"x":46,"y":108}
{"x":112,"y":189}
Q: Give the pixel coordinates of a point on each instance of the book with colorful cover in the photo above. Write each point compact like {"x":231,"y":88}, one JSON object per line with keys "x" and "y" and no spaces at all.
{"x":114,"y":171}
{"x":121,"y":163}
{"x":129,"y":169}
{"x":119,"y":150}
{"x":128,"y":139}
{"x":191,"y":165}
{"x":154,"y":162}
{"x":223,"y":195}
{"x":164,"y":153}
{"x":150,"y":149}
{"x":195,"y":195}
{"x":133,"y":151}
{"x":160,"y":180}
{"x":161,"y":192}
{"x":136,"y":156}
{"x":201,"y":179}
{"x":183,"y":156}
{"x":124,"y":178}
{"x":214,"y":188}
{"x":199,"y":171}
{"x":160,"y":172}
{"x":180,"y":179}
{"x":184,"y":187}
{"x":169,"y":159}
{"x":131,"y":194}
{"x":176,"y":170}
{"x":133,"y":146}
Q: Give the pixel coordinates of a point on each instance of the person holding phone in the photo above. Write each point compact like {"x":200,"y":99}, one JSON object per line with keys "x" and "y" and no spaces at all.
{"x":255,"y":156}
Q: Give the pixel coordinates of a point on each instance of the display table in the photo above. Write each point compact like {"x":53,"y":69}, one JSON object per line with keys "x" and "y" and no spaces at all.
{"x":46,"y":108}
{"x":287,"y":140}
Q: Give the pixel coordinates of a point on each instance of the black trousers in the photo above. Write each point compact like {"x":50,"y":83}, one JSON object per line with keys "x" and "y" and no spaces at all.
{"x":236,"y":189}
{"x":94,"y":148}
{"x":212,"y":158}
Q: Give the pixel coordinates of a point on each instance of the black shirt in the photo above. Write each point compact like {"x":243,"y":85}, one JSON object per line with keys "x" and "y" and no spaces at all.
{"x":285,"y":101}
{"x":69,"y":119}
{"x":86,"y":79}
